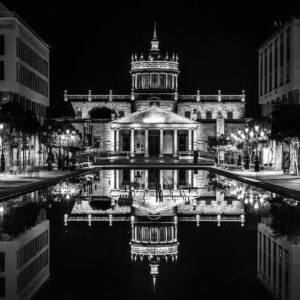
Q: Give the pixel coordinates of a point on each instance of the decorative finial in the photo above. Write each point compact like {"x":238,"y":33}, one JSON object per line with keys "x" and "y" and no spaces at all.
{"x":154,"y":32}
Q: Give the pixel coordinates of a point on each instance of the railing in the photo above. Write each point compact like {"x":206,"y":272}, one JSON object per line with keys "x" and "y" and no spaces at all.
{"x":186,"y":153}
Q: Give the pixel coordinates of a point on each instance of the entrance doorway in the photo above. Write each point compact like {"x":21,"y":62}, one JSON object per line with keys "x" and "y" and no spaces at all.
{"x":182,"y":138}
{"x":153,"y":178}
{"x":126,"y":141}
{"x":153,"y":143}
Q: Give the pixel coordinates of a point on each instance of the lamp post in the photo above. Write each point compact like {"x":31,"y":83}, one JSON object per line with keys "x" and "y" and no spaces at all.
{"x":59,"y":163}
{"x":67,"y":140}
{"x":2,"y":153}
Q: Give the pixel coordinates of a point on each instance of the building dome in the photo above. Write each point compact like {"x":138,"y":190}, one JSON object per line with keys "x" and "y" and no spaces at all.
{"x":154,"y":72}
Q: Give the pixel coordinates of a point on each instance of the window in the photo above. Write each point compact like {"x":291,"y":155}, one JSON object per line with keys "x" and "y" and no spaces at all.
{"x":229,"y":115}
{"x":187,"y":114}
{"x":2,"y":287}
{"x":162,"y":81}
{"x":1,"y":70}
{"x":220,"y":114}
{"x":275,"y":62}
{"x":154,"y":81}
{"x":198,"y":115}
{"x":208,"y":115}
{"x":2,"y":262}
{"x":2,"y":44}
{"x":79,"y":114}
{"x":121,"y":114}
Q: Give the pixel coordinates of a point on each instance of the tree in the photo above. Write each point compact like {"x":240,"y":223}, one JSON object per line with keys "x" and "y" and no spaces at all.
{"x":286,"y":128}
{"x":21,"y":126}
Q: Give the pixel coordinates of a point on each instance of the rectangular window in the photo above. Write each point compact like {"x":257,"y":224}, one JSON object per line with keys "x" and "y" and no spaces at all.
{"x":2,"y":44}
{"x":1,"y":70}
{"x":270,"y":68}
{"x":275,"y":63}
{"x":2,"y":287}
{"x":266,"y":71}
{"x":260,"y":74}
{"x":2,"y":262}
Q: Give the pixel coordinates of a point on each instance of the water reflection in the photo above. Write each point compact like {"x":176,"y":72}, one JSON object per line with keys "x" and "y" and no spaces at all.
{"x":154,"y":204}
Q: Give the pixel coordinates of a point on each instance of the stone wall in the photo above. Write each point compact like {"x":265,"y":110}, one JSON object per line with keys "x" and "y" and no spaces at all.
{"x":198,"y":109}
{"x":86,"y":107}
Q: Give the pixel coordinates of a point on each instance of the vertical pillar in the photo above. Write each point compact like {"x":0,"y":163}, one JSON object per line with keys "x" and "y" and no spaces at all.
{"x":175,"y":179}
{"x":132,"y":143}
{"x":190,"y":177}
{"x":113,"y":140}
{"x":195,"y":144}
{"x":146,"y":154}
{"x":175,"y":143}
{"x":131,"y":175}
{"x":117,"y":182}
{"x":112,"y":179}
{"x":161,"y":179}
{"x":146,"y":179}
{"x":190,"y":141}
{"x":117,"y":140}
{"x":161,"y":143}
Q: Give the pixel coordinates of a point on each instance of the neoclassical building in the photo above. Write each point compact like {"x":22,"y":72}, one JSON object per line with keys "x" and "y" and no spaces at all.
{"x":154,"y":119}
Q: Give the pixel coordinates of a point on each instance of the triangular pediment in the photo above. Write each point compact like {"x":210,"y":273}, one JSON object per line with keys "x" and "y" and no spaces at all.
{"x":154,"y":116}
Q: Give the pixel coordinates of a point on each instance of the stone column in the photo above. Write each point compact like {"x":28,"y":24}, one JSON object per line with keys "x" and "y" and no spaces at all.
{"x":146,"y":154}
{"x":190,"y":146}
{"x":117,"y":180}
{"x":161,"y":143}
{"x":131,"y":175}
{"x":161,"y":179}
{"x":175,"y":143}
{"x":175,"y":179}
{"x":113,"y":140}
{"x":146,"y":179}
{"x":190,"y":177}
{"x":117,"y":140}
{"x":131,"y":142}
{"x":112,"y":179}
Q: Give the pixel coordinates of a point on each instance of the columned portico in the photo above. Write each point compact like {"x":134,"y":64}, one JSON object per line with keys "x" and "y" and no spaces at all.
{"x":155,"y":132}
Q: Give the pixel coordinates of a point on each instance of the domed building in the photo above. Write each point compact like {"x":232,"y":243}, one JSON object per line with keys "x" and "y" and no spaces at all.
{"x":155,"y":120}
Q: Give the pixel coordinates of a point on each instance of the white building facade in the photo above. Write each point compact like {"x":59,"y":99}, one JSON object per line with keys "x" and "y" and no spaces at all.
{"x":154,"y":119}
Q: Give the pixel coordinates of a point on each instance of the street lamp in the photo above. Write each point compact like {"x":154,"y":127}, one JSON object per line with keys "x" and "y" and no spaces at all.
{"x":256,"y":159}
{"x":67,"y":156}
{"x":2,"y":153}
{"x":59,"y":163}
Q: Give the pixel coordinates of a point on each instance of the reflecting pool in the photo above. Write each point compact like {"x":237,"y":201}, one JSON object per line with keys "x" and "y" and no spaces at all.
{"x":150,"y":234}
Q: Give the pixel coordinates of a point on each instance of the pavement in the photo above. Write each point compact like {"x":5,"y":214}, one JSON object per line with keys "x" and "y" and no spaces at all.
{"x":15,"y":185}
{"x":274,"y":181}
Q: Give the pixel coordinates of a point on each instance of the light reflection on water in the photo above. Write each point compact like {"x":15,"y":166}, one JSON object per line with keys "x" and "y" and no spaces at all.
{"x":152,"y":218}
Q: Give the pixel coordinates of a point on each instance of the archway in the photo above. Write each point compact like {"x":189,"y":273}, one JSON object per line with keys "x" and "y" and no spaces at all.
{"x":101,"y":113}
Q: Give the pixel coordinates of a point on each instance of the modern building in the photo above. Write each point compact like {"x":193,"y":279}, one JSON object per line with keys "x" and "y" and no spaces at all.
{"x":279,"y":68}
{"x":24,"y":71}
{"x":24,"y":260}
{"x":278,"y":263}
{"x":154,"y":119}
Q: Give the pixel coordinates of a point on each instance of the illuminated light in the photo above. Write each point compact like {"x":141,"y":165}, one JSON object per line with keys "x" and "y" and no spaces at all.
{"x":68,"y":197}
{"x":256,"y":205}
{"x":1,"y":209}
{"x":251,"y":200}
{"x":246,"y":201}
{"x":154,"y":119}
{"x":256,"y":127}
{"x":1,"y":126}
{"x":261,"y":200}
{"x":246,"y":129}
{"x":251,"y":134}
{"x":132,"y":160}
{"x":146,"y":160}
{"x":262,"y":133}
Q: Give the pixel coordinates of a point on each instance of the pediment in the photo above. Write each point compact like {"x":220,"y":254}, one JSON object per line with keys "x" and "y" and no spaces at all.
{"x":154,"y":117}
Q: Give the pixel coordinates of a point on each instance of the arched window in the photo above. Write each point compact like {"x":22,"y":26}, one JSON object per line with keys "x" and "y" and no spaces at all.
{"x":187,"y":114}
{"x":162,"y":81}
{"x":220,"y":114}
{"x":79,"y":114}
{"x":208,"y":115}
{"x":229,"y":115}
{"x":121,"y":114}
{"x":154,"y":81}
{"x":139,"y":81}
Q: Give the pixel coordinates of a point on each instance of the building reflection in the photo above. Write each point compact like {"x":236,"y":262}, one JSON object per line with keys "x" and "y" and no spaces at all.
{"x":278,"y":263}
{"x":24,"y":248}
{"x":155,"y":203}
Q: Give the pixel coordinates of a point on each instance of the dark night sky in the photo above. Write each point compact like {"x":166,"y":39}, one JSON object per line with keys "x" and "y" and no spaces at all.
{"x":91,"y":43}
